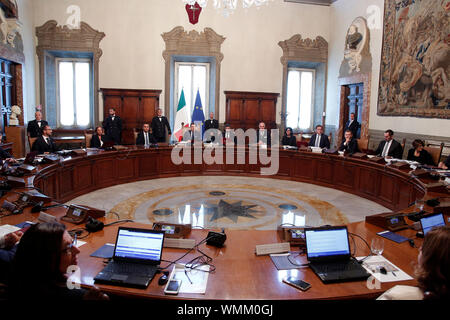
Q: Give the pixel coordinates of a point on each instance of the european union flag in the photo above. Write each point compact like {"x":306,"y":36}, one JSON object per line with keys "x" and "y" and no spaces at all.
{"x":197,"y":114}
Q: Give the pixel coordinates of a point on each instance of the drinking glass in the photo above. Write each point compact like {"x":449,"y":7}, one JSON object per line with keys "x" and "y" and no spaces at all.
{"x":377,"y":246}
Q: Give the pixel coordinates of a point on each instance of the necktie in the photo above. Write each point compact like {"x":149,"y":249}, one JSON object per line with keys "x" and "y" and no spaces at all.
{"x":386,"y":149}
{"x":47,"y":140}
{"x":39,"y":124}
{"x":318,"y":140}
{"x":146,"y":138}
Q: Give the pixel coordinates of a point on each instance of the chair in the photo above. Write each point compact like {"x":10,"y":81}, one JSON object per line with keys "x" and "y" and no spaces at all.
{"x":87,"y":139}
{"x":403,"y":146}
{"x":31,"y":141}
{"x":135,"y":133}
{"x":363,"y":145}
{"x":435,"y":152}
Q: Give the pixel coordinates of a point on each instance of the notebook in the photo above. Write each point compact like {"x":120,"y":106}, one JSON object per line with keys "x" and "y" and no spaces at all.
{"x":429,"y":222}
{"x":328,"y":251}
{"x":137,"y":255}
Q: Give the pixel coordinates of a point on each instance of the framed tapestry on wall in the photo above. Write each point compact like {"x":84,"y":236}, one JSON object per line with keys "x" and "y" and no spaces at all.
{"x":415,"y":59}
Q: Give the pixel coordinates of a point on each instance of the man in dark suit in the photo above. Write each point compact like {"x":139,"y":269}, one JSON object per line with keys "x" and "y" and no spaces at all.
{"x":352,"y":125}
{"x":263,"y":135}
{"x":113,"y":126}
{"x":35,"y":126}
{"x":145,"y":137}
{"x":319,"y":139}
{"x":211,"y":123}
{"x":159,"y":125}
{"x":349,"y":145}
{"x":228,"y":135}
{"x":98,"y":138}
{"x":44,"y":143}
{"x":389,"y":147}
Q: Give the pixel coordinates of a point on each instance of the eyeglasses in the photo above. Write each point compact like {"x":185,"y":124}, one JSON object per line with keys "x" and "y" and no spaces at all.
{"x":68,"y":249}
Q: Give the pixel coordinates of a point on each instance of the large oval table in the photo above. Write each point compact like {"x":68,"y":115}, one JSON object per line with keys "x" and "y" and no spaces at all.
{"x":239,"y":274}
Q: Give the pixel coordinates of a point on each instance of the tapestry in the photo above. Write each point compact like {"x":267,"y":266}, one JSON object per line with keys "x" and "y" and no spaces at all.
{"x":415,"y":59}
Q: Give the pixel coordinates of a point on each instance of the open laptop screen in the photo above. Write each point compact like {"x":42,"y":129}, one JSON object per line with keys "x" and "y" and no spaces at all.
{"x":327,"y":243}
{"x":139,"y":244}
{"x":430,"y":222}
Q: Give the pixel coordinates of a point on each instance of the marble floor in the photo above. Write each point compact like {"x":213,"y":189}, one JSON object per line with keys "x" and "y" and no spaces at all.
{"x":230,"y":202}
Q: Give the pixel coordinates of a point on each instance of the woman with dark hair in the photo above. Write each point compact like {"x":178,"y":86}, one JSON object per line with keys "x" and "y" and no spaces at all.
{"x":419,"y":154}
{"x":432,"y":271}
{"x":98,"y":138}
{"x":289,"y":138}
{"x":42,"y":259}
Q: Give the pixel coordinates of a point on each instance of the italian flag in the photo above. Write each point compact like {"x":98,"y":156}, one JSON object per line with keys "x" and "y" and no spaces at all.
{"x":182,"y":116}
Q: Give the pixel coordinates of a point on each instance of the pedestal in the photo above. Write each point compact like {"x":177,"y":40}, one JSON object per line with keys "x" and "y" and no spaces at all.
{"x":16,"y":134}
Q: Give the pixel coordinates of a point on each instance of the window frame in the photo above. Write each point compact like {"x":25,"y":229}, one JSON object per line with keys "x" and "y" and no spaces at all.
{"x":205,"y":104}
{"x":58,"y":98}
{"x":313,"y":92}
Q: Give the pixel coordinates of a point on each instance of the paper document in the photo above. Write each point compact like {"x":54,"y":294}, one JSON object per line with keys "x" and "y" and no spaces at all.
{"x":192,"y":280}
{"x":7,"y":228}
{"x":373,"y":265}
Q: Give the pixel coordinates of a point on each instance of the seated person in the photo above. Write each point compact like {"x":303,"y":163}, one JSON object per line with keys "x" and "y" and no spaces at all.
{"x":419,"y":154}
{"x":263,"y":135}
{"x":319,"y":139}
{"x":4,"y":155}
{"x":389,"y":147}
{"x":98,"y":138}
{"x":43,"y":256}
{"x":289,"y":138}
{"x":7,"y":252}
{"x":189,"y":136}
{"x":445,"y":164}
{"x":228,"y":135}
{"x":44,"y":143}
{"x":349,"y":145}
{"x":145,"y":137}
{"x":432,"y":270}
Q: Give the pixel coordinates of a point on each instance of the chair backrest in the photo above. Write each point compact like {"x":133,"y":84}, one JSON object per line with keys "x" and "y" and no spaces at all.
{"x":87,"y":139}
{"x":435,"y":152}
{"x":31,"y":141}
{"x":363,"y":144}
{"x":403,"y":146}
{"x":135,"y":133}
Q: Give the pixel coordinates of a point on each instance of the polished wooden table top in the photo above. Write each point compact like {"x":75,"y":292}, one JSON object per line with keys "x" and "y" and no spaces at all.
{"x":240,"y":274}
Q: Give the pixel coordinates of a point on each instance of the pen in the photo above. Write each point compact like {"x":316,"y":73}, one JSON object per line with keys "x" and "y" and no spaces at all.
{"x":394,"y":273}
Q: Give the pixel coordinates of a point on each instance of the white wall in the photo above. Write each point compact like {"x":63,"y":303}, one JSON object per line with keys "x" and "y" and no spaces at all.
{"x":133,"y":46}
{"x":25,"y":8}
{"x":342,"y":13}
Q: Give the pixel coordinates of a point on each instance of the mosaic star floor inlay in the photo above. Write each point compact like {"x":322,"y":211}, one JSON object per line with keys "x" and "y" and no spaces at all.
{"x":230,"y":202}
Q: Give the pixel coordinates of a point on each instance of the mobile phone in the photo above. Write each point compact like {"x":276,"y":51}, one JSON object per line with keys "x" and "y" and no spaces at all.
{"x":173,"y":286}
{"x":299,"y":284}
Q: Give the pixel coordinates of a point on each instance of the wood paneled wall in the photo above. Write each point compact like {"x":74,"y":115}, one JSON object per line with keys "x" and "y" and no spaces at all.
{"x":134,"y":106}
{"x":246,"y":109}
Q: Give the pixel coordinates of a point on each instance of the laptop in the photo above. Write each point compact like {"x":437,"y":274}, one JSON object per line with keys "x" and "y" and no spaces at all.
{"x":328,"y":251}
{"x":430,"y":222}
{"x":29,"y":159}
{"x":136,"y":258}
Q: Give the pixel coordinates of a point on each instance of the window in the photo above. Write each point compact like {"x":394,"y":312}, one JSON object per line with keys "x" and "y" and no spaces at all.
{"x":191,"y":77}
{"x":74,"y":93}
{"x":300,"y":98}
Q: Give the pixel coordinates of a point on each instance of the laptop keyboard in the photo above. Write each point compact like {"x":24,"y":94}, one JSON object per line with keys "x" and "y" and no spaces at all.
{"x":339,"y":266}
{"x":130,"y":268}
